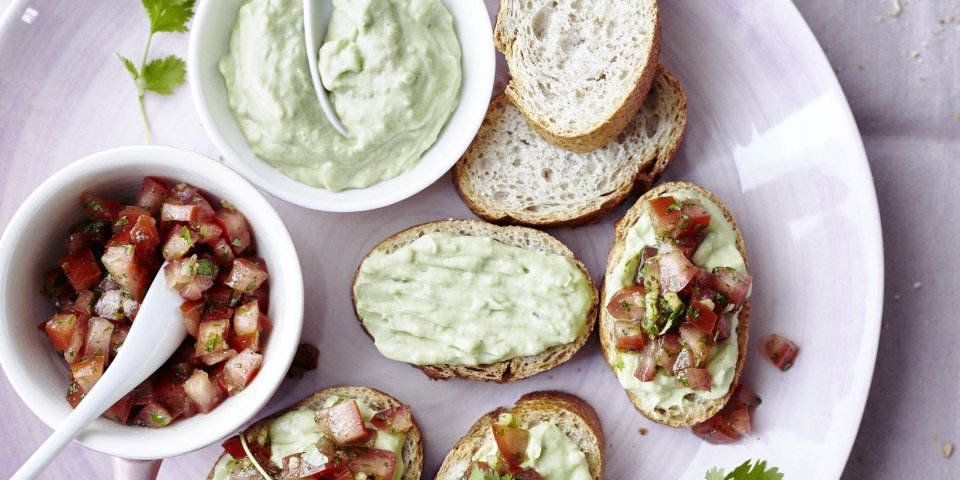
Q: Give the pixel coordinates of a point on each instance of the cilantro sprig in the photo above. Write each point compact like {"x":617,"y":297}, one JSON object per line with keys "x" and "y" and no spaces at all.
{"x":746,"y":471}
{"x":160,"y":75}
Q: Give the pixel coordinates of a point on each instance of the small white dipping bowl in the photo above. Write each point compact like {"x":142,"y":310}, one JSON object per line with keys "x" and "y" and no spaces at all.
{"x":32,"y":243}
{"x":210,"y":40}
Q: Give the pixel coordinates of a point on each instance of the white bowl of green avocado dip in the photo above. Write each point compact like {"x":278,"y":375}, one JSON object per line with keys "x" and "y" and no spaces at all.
{"x":410,"y":80}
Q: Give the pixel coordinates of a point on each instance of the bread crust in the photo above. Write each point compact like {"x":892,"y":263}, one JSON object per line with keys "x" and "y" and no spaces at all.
{"x":705,"y":409}
{"x":537,"y":407}
{"x":648,"y":170}
{"x":507,"y":370}
{"x":607,"y":130}
{"x":378,"y":400}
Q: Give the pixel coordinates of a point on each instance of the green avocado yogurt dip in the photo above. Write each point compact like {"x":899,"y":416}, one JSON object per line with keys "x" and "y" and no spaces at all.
{"x":297,"y":432}
{"x":717,"y":249}
{"x":392,"y":68}
{"x":550,"y":452}
{"x":466,"y":300}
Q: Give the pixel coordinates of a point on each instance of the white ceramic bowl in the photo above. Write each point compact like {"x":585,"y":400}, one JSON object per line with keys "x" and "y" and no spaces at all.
{"x":34,"y":240}
{"x":210,"y":39}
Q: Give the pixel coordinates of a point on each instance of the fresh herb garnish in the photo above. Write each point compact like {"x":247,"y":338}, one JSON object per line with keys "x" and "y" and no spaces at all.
{"x":158,"y":419}
{"x":746,"y":471}
{"x":160,"y":75}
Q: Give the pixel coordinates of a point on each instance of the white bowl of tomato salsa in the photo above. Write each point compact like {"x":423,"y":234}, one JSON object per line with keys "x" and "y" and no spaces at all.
{"x":34,"y":240}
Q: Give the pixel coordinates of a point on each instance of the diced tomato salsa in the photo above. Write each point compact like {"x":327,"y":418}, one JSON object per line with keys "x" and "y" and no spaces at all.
{"x":109,"y":261}
{"x":676,"y":312}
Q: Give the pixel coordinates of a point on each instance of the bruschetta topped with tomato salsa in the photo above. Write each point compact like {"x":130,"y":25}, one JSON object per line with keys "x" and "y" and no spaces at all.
{"x":545,"y":436}
{"x":675,"y":304}
{"x":339,"y":433}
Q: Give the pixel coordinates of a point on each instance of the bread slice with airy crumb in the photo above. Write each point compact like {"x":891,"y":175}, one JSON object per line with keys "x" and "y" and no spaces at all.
{"x":412,"y":452}
{"x":571,"y":414}
{"x":579,"y":68}
{"x":509,"y":175}
{"x":512,"y":369}
{"x":700,"y":409}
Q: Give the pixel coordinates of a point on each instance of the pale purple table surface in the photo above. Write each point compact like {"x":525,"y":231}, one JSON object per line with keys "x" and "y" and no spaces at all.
{"x":899,"y":65}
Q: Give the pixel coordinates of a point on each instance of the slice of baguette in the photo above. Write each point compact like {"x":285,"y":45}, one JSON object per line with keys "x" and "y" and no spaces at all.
{"x":510,"y":175}
{"x":579,"y":68}
{"x":515,"y":368}
{"x":377,"y":400}
{"x":571,"y":414}
{"x":701,"y":409}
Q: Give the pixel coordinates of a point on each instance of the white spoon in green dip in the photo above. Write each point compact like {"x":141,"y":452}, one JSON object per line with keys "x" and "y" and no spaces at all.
{"x":316,"y":17}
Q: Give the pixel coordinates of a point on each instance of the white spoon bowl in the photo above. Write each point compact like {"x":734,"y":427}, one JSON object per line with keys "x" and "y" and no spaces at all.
{"x":33,"y":241}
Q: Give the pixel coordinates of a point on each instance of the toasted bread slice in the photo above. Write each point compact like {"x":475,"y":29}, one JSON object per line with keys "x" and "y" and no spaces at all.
{"x":700,"y":409}
{"x":377,"y":400}
{"x":571,"y":414}
{"x":509,"y":175}
{"x":579,"y":69}
{"x":512,"y":369}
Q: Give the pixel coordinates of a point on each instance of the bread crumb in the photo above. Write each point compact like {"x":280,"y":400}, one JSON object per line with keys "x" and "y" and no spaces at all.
{"x":861,"y":67}
{"x":946,"y":449}
{"x":897,"y":8}
{"x":643,"y":431}
{"x":917,"y":285}
{"x":957,"y":118}
{"x":914,"y":54}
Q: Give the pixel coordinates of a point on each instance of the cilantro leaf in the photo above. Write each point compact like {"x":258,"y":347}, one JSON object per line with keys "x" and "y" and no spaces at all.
{"x":169,"y":15}
{"x":746,"y":471}
{"x":130,"y":67}
{"x":162,"y":74}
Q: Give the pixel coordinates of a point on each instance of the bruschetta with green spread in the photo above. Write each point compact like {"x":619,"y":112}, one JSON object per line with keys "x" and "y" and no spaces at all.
{"x":675,"y":298}
{"x":340,"y":433}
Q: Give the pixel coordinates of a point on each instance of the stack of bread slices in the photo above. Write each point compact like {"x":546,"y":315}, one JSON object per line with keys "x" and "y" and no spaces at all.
{"x":589,"y":114}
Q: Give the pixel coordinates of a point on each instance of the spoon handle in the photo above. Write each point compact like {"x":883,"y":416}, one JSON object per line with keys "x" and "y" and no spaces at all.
{"x":85,"y":413}
{"x":316,"y":16}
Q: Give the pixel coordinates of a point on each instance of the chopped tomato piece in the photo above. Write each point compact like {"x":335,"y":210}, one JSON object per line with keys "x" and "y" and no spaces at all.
{"x":202,"y":391}
{"x":83,"y":305}
{"x":694,"y":219}
{"x":716,"y":431}
{"x":676,"y":272}
{"x":629,"y":336}
{"x":99,"y":334}
{"x":244,"y":341}
{"x":116,"y":340}
{"x":218,"y":296}
{"x":246,"y":319}
{"x":208,"y":233}
{"x":665,"y":214}
{"x":153,"y":415}
{"x":81,"y":269}
{"x":695,"y":378}
{"x":76,"y":242}
{"x":666,"y":349}
{"x":179,"y":241}
{"x":628,"y":303}
{"x":99,"y":208}
{"x":527,"y":474}
{"x":143,"y":394}
{"x":212,"y":337}
{"x":145,"y":236}
{"x":246,"y":275}
{"x":511,"y":442}
{"x":647,"y":368}
{"x":686,"y":359}
{"x":172,"y":212}
{"x":374,"y":462}
{"x":240,"y":370}
{"x":55,"y":286}
{"x":780,"y":351}
{"x":87,"y":371}
{"x":688,"y":245}
{"x":697,"y":341}
{"x":234,"y":447}
{"x":128,"y":217}
{"x":700,"y":314}
{"x":192,"y":310}
{"x":152,"y":195}
{"x":110,"y":305}
{"x":76,"y":341}
{"x":235,"y":229}
{"x":60,"y":329}
{"x":119,"y":412}
{"x":169,"y":391}
{"x":721,"y":331}
{"x":732,"y":284}
{"x":123,"y":265}
{"x":395,"y":419}
{"x":342,"y":423}
{"x":75,"y":394}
